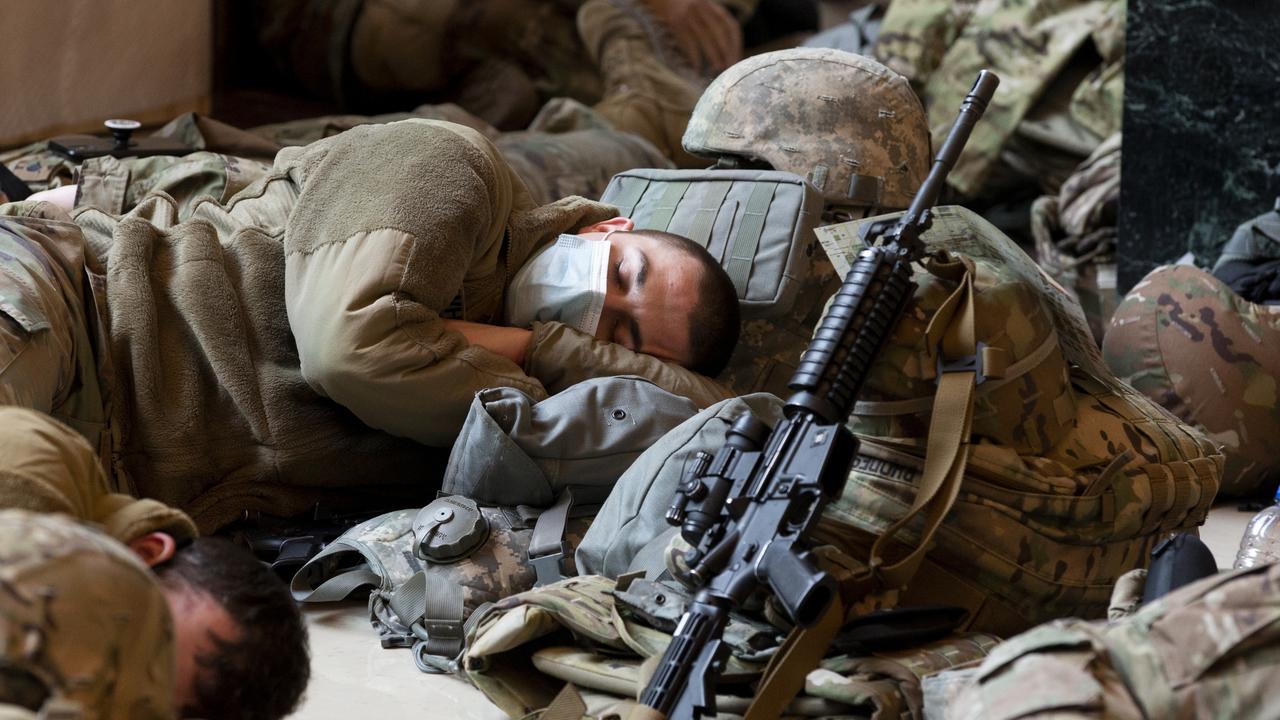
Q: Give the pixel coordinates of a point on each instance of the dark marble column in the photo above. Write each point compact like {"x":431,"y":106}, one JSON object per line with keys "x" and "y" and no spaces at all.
{"x":1201,"y":127}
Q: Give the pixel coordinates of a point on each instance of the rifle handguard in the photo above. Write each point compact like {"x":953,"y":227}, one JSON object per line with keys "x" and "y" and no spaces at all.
{"x":851,"y":334}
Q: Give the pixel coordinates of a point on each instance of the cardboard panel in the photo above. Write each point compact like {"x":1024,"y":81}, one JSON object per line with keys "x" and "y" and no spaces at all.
{"x":68,"y":65}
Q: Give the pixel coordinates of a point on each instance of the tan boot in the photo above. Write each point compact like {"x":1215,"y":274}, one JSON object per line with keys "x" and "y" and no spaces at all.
{"x":643,"y":94}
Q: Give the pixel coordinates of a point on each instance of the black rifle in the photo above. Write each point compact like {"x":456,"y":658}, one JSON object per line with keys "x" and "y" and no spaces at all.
{"x":748,"y":510}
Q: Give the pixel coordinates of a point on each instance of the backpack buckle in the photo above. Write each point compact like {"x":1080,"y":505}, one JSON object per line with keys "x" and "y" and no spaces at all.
{"x":549,"y":567}
{"x":964,"y":364}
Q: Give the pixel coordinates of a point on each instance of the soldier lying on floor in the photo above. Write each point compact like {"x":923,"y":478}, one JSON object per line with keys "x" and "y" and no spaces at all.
{"x":327,"y":328}
{"x":568,"y":149}
{"x":498,"y":58}
{"x":171,"y":625}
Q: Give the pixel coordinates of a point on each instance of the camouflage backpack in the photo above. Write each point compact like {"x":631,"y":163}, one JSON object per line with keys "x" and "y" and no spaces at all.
{"x":1063,"y":481}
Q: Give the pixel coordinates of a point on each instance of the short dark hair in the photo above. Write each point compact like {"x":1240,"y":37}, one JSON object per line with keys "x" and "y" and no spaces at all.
{"x":715,"y":321}
{"x":262,"y":673}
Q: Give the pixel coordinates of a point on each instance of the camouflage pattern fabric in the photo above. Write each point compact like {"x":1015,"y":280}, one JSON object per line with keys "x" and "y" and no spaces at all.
{"x":85,"y":631}
{"x":940,"y":46}
{"x":642,"y":94}
{"x":39,"y":167}
{"x":572,"y":631}
{"x":50,"y":358}
{"x":570,"y":150}
{"x":769,"y":349}
{"x":1072,"y":476}
{"x":849,"y":125}
{"x":1207,"y":650}
{"x":1075,"y":233}
{"x":1184,"y":339}
{"x":897,"y":149}
{"x":497,"y":58}
{"x":116,"y":186}
{"x":1126,"y":598}
{"x":385,"y":544}
{"x":585,"y":631}
{"x":579,"y":162}
{"x":887,"y":685}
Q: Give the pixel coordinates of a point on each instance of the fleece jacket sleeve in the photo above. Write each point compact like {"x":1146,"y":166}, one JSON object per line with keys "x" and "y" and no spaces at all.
{"x":389,"y":222}
{"x":46,"y":466}
{"x":560,"y":356}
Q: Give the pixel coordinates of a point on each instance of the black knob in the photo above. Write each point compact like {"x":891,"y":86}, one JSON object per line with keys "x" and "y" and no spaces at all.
{"x":122,"y":131}
{"x":694,"y":489}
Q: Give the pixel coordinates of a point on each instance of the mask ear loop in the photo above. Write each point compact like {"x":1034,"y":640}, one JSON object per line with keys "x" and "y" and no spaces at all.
{"x":606,"y":235}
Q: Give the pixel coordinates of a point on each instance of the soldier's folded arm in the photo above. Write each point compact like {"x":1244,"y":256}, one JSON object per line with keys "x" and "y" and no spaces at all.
{"x":366,"y":342}
{"x":560,"y":356}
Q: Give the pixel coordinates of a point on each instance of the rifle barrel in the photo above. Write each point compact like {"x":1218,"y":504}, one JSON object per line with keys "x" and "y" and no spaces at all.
{"x":971,"y":110}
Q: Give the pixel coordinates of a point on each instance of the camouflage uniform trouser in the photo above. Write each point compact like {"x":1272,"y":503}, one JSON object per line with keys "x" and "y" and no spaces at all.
{"x":569,"y":150}
{"x":1207,"y":650}
{"x":497,"y":58}
{"x":1185,"y":340}
{"x":49,"y":332}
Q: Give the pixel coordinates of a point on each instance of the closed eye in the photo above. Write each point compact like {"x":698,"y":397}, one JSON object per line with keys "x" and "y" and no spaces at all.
{"x":617,"y":275}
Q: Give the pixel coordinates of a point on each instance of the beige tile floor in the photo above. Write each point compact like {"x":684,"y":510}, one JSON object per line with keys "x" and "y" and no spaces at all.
{"x":353,"y":677}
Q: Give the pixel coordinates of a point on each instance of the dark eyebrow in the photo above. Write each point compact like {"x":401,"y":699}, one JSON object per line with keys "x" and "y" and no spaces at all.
{"x":643,"y":272}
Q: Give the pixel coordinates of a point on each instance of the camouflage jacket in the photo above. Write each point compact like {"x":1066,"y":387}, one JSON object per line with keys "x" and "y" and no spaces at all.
{"x":940,"y":46}
{"x":84,"y":629}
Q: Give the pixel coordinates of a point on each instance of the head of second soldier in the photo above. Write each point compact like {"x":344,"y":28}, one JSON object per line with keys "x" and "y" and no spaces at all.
{"x":652,"y":292}
{"x":240,"y":645}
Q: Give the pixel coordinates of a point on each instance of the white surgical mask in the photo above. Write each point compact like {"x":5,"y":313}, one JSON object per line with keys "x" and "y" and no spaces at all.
{"x":565,"y":281}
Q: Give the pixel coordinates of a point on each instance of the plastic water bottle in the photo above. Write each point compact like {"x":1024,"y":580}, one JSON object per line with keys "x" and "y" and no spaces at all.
{"x":1261,"y":542}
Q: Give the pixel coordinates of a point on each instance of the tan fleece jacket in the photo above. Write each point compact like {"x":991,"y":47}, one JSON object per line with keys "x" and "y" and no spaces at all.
{"x":288,"y":347}
{"x":46,"y":466}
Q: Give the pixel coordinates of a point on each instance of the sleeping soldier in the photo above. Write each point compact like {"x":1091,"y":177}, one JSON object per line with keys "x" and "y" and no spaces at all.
{"x":112,"y":608}
{"x":327,"y":327}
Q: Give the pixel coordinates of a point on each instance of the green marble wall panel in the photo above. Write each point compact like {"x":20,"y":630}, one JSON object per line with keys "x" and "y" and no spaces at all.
{"x":1201,"y":127}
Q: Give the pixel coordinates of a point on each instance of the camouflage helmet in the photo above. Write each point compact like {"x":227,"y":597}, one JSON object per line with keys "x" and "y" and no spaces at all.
{"x":851,"y":126}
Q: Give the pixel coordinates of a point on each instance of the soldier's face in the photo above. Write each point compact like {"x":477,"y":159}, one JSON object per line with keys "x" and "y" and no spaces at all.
{"x":652,"y":290}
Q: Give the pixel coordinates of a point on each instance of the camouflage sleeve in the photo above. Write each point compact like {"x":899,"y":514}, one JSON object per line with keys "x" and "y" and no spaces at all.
{"x":46,"y":466}
{"x":561,"y":356}
{"x":915,"y":35}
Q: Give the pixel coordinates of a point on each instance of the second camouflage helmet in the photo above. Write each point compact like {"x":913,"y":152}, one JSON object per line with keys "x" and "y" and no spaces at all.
{"x":851,"y":126}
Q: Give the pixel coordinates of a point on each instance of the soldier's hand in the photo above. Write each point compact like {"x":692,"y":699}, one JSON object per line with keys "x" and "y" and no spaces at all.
{"x":707,"y":33}
{"x":509,"y":342}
